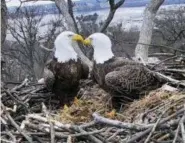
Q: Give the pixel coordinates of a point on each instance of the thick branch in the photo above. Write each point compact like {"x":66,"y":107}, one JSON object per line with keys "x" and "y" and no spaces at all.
{"x":3,"y":21}
{"x":63,"y":8}
{"x":113,"y":8}
{"x":116,"y":123}
{"x":141,"y":51}
{"x":70,"y":10}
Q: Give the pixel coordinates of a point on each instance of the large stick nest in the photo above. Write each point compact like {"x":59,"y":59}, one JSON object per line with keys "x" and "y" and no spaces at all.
{"x":31,"y":114}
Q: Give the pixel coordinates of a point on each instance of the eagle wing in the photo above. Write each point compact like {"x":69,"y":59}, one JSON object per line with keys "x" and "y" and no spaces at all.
{"x":101,"y":70}
{"x":49,"y":78}
{"x":129,"y":78}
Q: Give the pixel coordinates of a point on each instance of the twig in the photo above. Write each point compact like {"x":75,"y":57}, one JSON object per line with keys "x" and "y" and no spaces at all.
{"x":10,"y":135}
{"x":174,"y":70}
{"x":18,"y":128}
{"x":69,"y":139}
{"x":161,"y":54}
{"x":154,"y":127}
{"x":56,"y":123}
{"x":3,"y":121}
{"x":183,"y":131}
{"x":30,"y":133}
{"x":167,"y":78}
{"x":47,"y":49}
{"x":17,"y":100}
{"x":117,"y":123}
{"x":5,"y":141}
{"x":174,"y":57}
{"x":60,"y":125}
{"x":20,"y":86}
{"x":87,"y":133}
{"x":175,"y":49}
{"x":141,"y":134}
{"x":15,"y":125}
{"x":173,"y":134}
{"x":181,"y":123}
{"x":59,"y":134}
{"x":86,"y":125}
{"x":91,"y":137}
{"x":182,"y":127}
{"x":159,"y":140}
{"x":38,"y":139}
{"x":172,"y":116}
{"x":70,"y":10}
{"x":176,"y":134}
{"x":167,"y":126}
{"x":115,"y":134}
{"x":52,"y":131}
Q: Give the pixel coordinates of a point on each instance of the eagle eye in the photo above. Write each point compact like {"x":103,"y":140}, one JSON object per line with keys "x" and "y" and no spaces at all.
{"x":70,"y":35}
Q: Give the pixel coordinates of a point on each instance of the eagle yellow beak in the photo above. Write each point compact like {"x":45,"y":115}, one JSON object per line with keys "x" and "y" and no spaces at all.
{"x":78,"y":37}
{"x":87,"y":42}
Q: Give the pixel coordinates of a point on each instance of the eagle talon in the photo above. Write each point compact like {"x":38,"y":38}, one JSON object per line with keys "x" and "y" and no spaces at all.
{"x":111,"y":114}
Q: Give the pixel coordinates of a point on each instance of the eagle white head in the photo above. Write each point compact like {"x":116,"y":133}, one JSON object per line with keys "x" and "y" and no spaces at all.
{"x":64,"y":44}
{"x":102,"y":47}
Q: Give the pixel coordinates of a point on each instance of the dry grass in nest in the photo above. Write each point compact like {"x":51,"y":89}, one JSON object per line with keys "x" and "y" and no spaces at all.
{"x":93,"y":100}
{"x":155,"y":100}
{"x":81,"y":110}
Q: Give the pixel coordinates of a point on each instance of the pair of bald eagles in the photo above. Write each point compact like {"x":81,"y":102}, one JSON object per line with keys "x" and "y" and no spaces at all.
{"x":110,"y":72}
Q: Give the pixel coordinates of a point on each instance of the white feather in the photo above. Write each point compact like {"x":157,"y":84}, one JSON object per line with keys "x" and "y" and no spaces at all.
{"x":41,"y":81}
{"x":102,"y":47}
{"x":64,"y":50}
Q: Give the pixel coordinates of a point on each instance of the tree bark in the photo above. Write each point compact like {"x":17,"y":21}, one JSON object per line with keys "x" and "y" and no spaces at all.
{"x":141,"y":51}
{"x":113,"y":8}
{"x":70,"y":10}
{"x":63,"y":8}
{"x":3,"y":21}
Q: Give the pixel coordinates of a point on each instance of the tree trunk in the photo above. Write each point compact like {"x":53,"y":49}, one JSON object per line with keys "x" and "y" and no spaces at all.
{"x":3,"y":21}
{"x":63,"y":8}
{"x":145,"y":37}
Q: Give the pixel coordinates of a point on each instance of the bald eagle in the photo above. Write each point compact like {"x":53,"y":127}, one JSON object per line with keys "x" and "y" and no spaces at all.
{"x":116,"y":73}
{"x":63,"y":72}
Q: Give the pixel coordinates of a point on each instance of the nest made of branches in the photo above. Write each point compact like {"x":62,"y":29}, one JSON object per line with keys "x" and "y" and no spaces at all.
{"x":32,"y":114}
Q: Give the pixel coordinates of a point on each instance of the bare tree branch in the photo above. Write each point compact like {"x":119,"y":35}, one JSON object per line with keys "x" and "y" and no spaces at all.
{"x":70,"y":10}
{"x":113,"y":7}
{"x":3,"y":21}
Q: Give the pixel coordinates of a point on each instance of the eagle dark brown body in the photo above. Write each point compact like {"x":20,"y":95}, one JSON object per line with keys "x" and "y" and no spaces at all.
{"x":122,"y":76}
{"x":100,"y":71}
{"x":66,"y":77}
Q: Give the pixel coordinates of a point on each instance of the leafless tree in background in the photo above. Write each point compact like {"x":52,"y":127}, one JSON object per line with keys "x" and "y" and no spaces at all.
{"x":66,"y":11}
{"x":113,"y":7}
{"x":3,"y":21}
{"x":88,"y":24}
{"x":170,"y":27}
{"x":30,"y":58}
{"x":141,"y":51}
{"x":123,"y":42}
{"x":25,"y":53}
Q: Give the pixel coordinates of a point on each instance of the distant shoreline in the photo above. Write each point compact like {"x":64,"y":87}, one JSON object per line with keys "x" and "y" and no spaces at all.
{"x":45,"y":11}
